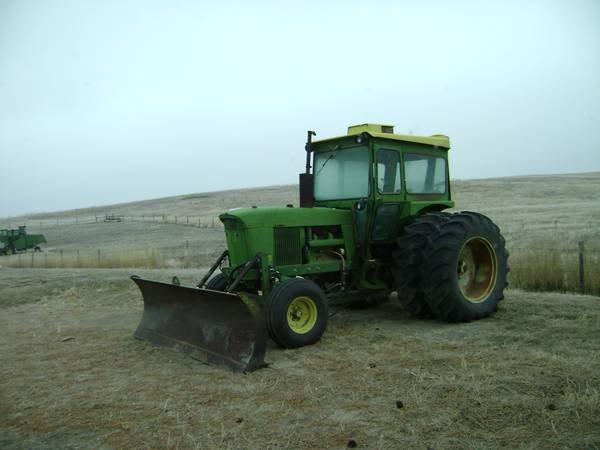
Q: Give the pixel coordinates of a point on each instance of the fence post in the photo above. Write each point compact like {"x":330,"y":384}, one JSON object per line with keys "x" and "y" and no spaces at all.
{"x":46,"y":260}
{"x":187,"y":220}
{"x":32,"y":258}
{"x":581,"y":266}
{"x":61,"y":258}
{"x":99,"y":257}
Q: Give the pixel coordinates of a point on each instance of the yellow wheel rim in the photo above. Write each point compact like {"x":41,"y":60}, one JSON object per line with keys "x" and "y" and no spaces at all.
{"x":302,"y":314}
{"x":476,"y":269}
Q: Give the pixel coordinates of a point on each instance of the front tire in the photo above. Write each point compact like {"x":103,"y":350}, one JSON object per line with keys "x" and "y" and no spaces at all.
{"x":218,"y":283}
{"x":296,"y":313}
{"x":464,"y":268}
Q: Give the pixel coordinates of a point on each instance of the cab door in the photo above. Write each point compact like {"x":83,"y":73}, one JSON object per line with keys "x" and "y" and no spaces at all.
{"x":390,"y":198}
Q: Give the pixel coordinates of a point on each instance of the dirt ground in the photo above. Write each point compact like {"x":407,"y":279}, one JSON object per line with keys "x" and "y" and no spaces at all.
{"x":73,"y":376}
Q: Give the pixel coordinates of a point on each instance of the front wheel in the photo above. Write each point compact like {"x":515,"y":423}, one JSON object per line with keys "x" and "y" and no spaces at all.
{"x":464,"y":269}
{"x":296,"y":313}
{"x":218,"y":283}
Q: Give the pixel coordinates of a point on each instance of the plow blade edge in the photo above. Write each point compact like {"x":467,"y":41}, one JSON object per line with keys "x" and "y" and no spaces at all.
{"x":211,"y":326}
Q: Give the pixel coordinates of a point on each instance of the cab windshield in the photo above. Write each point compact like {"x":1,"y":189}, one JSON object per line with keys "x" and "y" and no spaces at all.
{"x":342,"y":174}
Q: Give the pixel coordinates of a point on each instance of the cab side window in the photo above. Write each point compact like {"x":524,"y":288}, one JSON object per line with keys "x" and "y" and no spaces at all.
{"x":425,"y":174}
{"x":389,"y":180}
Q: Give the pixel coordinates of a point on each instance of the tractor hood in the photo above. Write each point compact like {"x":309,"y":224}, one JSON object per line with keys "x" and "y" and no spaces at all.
{"x":280,"y":233}
{"x":287,"y":217}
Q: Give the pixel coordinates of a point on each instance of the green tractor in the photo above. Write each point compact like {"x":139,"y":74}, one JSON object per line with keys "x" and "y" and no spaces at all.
{"x":371,"y":223}
{"x":14,"y":241}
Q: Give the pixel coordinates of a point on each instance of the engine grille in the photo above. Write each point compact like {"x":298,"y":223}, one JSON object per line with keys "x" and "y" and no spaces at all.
{"x":287,"y":246}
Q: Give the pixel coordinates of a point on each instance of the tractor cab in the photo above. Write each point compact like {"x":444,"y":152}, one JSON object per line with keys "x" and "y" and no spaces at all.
{"x":385,"y":178}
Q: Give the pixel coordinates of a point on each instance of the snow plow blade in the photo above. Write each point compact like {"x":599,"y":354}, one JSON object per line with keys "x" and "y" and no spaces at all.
{"x":211,"y":326}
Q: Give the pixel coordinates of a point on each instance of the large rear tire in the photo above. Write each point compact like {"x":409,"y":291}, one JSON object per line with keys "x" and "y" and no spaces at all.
{"x":296,"y":313}
{"x":464,"y":268}
{"x":408,"y":259}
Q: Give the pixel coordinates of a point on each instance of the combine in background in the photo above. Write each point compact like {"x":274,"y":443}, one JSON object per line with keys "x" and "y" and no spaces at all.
{"x":13,"y":241}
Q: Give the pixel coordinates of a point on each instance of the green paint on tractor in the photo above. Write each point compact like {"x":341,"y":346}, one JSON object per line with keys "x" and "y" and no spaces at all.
{"x":18,"y":240}
{"x":371,"y":223}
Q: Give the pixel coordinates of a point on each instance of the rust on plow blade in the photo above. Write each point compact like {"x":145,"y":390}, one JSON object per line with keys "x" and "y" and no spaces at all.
{"x":211,"y":326}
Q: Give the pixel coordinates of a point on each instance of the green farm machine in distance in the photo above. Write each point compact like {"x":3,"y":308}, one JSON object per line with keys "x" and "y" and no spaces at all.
{"x":14,"y":241}
{"x":371,"y":223}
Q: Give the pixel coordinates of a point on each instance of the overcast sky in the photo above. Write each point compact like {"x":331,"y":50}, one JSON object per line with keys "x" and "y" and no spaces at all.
{"x":111,"y":101}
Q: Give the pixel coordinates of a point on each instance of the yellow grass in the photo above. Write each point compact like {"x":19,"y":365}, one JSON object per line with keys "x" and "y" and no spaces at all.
{"x":134,"y":258}
{"x":555,"y":270}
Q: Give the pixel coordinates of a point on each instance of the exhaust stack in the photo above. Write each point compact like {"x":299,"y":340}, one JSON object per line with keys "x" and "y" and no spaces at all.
{"x":307,"y":198}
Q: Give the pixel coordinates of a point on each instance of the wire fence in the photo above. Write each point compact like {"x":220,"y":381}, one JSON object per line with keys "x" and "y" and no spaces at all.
{"x":206,"y":221}
{"x":573,"y":267}
{"x":517,"y":227}
{"x":570,"y":267}
{"x":544,"y":254}
{"x":183,"y":255}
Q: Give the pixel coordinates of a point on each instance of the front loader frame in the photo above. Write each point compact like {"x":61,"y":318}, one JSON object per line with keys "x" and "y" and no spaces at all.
{"x":268,"y":274}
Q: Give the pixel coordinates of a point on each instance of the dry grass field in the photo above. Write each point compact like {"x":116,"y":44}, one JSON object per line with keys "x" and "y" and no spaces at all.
{"x":542,"y":217}
{"x":72,"y":375}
